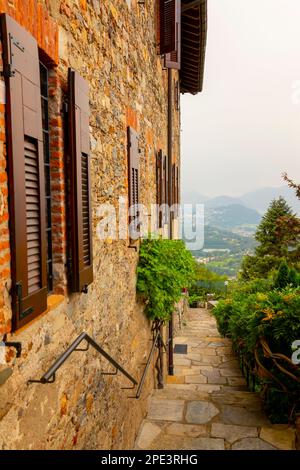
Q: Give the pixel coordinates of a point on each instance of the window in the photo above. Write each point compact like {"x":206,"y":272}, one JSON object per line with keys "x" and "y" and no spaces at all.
{"x":133,"y":180}
{"x":170,"y":32}
{"x":46,"y":149}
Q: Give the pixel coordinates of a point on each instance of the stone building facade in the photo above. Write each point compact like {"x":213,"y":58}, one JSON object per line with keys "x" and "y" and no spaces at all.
{"x":114,"y":47}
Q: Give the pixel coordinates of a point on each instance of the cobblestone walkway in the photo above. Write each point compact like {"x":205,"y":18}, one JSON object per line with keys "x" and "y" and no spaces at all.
{"x":206,"y":405}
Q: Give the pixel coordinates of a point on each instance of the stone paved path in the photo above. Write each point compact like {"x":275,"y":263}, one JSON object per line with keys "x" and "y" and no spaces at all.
{"x":206,"y":405}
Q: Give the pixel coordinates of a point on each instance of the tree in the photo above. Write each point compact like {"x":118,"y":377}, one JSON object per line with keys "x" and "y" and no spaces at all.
{"x":278,"y":237}
{"x":292,"y":184}
{"x":283,"y":276}
{"x":273,"y":241}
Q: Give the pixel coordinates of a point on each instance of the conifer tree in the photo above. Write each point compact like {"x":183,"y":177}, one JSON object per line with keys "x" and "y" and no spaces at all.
{"x":271,"y":242}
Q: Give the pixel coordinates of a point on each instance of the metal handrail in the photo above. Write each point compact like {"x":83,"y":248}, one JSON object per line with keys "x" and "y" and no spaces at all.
{"x":157,"y":342}
{"x":49,"y":376}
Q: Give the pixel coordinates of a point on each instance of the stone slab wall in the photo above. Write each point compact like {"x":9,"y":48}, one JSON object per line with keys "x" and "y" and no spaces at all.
{"x":113,"y":44}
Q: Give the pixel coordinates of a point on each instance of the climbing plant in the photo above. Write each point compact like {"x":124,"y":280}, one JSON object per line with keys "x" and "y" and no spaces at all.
{"x":165,"y":268}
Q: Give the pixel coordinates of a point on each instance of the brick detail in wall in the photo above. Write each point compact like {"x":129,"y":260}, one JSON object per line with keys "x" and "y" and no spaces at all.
{"x":58,"y":183}
{"x":33,"y":16}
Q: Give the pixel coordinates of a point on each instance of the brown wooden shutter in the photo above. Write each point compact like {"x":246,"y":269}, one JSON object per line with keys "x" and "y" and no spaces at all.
{"x":173,"y":183}
{"x":173,"y":58}
{"x":26,"y":172}
{"x":159,"y":186}
{"x":177,"y":186}
{"x":80,"y":183}
{"x":166,"y":188}
{"x":167,"y":26}
{"x":133,"y":173}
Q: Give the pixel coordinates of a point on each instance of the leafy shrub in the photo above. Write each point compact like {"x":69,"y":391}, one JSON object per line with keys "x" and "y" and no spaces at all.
{"x":165,"y":268}
{"x":270,"y":318}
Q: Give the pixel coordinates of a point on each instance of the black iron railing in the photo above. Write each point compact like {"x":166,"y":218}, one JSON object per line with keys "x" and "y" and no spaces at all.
{"x":158,"y":343}
{"x":50,"y":375}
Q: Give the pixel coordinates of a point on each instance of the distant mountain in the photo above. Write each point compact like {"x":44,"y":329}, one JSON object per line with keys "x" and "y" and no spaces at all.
{"x":231,"y":216}
{"x":222,"y":201}
{"x":260,"y":199}
{"x":192,"y":197}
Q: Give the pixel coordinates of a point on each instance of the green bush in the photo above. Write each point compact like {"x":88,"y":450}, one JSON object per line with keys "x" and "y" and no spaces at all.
{"x":274,"y":317}
{"x":165,"y":268}
{"x":286,"y":276}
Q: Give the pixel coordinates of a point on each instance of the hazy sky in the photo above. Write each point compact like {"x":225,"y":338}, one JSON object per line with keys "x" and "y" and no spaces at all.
{"x":243,"y":130}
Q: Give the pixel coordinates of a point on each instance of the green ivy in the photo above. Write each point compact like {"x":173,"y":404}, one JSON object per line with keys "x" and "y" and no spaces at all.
{"x":165,"y":268}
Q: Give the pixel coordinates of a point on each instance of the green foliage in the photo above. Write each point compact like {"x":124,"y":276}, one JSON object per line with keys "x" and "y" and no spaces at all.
{"x":206,"y":281}
{"x":257,"y":266}
{"x":165,"y":268}
{"x":286,"y":276}
{"x":278,"y":232}
{"x":248,"y":316}
{"x":266,"y":234}
{"x":283,"y":276}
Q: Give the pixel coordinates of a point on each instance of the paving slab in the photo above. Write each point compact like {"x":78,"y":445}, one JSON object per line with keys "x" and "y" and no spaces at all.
{"x":148,"y":433}
{"x":243,"y":416}
{"x":200,"y":412}
{"x":252,"y":443}
{"x":168,"y":410}
{"x":232,"y":433}
{"x":282,"y":437}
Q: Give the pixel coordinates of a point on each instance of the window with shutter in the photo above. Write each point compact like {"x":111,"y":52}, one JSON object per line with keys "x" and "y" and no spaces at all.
{"x":177,"y":186}
{"x":167,"y":25}
{"x":133,"y":179}
{"x":80,"y":184}
{"x":173,"y":58}
{"x":159,"y":187}
{"x":166,"y":189}
{"x":26,"y":172}
{"x":46,"y":140}
{"x":173,"y":183}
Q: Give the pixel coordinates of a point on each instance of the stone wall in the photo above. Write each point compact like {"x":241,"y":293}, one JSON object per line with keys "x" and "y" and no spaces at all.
{"x":113,"y":45}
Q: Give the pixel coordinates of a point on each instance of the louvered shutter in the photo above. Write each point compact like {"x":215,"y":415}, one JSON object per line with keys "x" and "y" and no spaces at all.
{"x":177,"y":186}
{"x":133,"y":176}
{"x":26,"y":172}
{"x":80,"y":183}
{"x":173,"y":58}
{"x":166,"y":188}
{"x":173,"y":183}
{"x":159,"y":186}
{"x":167,"y":26}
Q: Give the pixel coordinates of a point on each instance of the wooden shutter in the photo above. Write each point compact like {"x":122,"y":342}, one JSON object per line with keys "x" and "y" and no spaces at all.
{"x":177,"y":186}
{"x":173,"y":183}
{"x":26,"y":172}
{"x":159,"y":186}
{"x":133,"y":173}
{"x":167,"y":25}
{"x":173,"y":58}
{"x":166,"y":188}
{"x":80,"y":183}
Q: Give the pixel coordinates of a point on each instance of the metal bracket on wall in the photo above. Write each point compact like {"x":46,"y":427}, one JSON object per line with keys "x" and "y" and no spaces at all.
{"x":13,"y":344}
